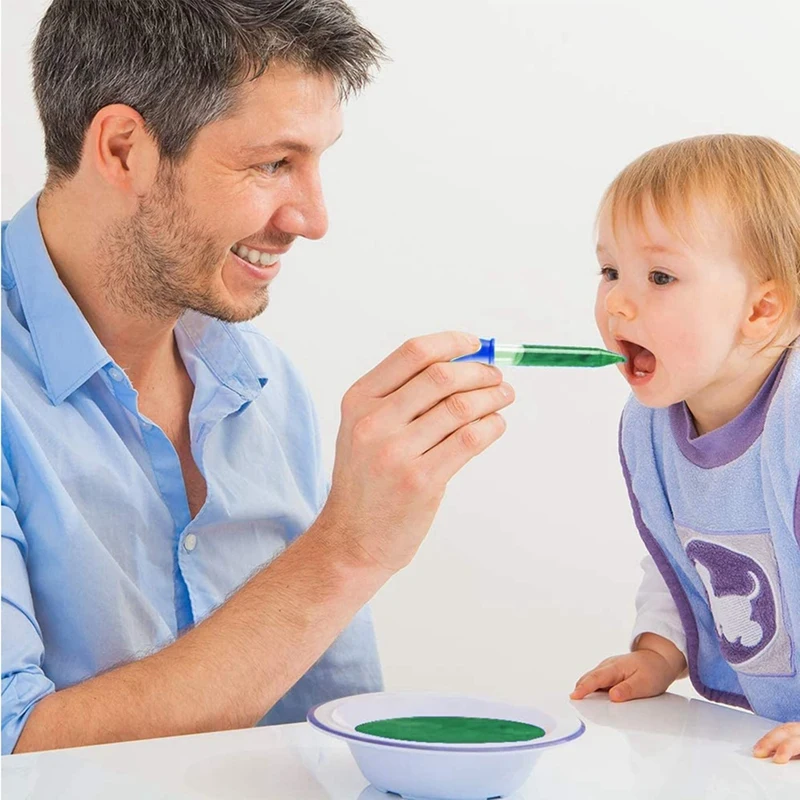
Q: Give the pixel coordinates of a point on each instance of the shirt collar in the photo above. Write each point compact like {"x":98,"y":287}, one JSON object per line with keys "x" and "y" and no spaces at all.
{"x":224,"y":350}
{"x":69,"y":352}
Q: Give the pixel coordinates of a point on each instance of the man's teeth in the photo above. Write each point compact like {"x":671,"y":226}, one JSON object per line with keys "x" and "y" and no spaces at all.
{"x":255,"y":256}
{"x":639,"y":374}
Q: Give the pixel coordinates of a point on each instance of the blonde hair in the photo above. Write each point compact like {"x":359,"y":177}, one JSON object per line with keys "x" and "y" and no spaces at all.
{"x":755,"y":181}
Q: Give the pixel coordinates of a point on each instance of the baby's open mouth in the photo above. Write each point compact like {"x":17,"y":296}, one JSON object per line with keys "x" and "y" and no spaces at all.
{"x":641,"y":362}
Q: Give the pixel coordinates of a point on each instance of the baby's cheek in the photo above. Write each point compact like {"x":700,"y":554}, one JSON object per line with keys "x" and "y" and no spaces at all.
{"x":601,"y":317}
{"x":679,"y":346}
{"x":688,"y":335}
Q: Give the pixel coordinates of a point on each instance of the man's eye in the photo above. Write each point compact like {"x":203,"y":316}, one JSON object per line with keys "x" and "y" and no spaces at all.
{"x":272,"y":167}
{"x":609,"y":274}
{"x":661,"y":278}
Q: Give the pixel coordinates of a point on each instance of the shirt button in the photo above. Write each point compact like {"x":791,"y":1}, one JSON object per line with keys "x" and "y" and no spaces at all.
{"x":115,"y":374}
{"x":190,"y":542}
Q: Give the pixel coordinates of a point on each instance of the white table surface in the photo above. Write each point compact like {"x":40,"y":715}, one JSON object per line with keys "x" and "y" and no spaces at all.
{"x":669,"y":748}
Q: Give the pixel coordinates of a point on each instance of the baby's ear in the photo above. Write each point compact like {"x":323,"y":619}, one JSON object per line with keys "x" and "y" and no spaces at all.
{"x":766,"y":312}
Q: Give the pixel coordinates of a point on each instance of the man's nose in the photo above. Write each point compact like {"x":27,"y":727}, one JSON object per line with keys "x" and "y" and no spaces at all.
{"x":619,"y":303}
{"x":305,"y":213}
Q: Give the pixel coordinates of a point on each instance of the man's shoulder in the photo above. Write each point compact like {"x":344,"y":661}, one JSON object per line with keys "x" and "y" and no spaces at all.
{"x":8,"y":276}
{"x":17,"y":343}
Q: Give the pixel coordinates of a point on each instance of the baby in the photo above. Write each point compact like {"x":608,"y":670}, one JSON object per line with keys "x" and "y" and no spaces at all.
{"x":699,"y":249}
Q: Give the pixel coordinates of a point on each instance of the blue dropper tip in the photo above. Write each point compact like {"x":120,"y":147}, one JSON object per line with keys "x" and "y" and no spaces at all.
{"x":485,"y":354}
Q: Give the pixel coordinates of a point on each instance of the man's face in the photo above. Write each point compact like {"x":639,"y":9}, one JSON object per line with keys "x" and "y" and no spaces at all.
{"x":211,"y":233}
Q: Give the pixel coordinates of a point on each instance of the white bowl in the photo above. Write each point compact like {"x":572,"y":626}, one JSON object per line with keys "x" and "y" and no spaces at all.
{"x":429,"y":771}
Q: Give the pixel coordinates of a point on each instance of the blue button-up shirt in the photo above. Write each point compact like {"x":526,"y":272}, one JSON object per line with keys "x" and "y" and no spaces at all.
{"x":101,"y":560}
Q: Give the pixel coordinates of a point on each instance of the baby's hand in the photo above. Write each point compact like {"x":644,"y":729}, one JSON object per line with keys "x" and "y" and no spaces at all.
{"x":782,"y":744}
{"x":643,"y":673}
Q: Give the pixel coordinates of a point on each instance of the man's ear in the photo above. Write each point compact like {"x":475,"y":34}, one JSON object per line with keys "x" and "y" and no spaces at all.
{"x":765,"y":313}
{"x":121,"y":151}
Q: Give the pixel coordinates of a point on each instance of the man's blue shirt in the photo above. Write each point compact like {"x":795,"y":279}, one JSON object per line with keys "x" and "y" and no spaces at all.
{"x":101,"y":561}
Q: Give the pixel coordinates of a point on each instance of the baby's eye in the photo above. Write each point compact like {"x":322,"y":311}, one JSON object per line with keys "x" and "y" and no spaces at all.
{"x":661,"y":278}
{"x":609,"y":274}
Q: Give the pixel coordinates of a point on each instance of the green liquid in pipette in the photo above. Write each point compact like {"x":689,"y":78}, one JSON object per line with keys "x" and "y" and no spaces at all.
{"x":540,"y":355}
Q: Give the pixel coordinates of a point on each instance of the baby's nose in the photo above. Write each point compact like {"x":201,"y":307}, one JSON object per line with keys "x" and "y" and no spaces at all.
{"x":619,"y":304}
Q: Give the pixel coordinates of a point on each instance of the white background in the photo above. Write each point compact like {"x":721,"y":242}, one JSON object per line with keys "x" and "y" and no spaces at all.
{"x":462,"y":196}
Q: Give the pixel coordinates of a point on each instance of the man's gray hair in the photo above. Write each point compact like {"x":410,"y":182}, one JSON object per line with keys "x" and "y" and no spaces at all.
{"x":179,"y":62}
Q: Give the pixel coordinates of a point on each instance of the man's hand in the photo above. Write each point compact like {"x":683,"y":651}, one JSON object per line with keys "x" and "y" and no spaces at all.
{"x":407,"y":427}
{"x":783,"y":743}
{"x":647,"y":672}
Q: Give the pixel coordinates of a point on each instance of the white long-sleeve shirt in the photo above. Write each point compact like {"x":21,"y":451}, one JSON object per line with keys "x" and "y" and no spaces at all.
{"x":656,"y":611}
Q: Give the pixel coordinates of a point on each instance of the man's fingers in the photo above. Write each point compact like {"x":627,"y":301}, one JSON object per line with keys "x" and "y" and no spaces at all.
{"x":448,"y":457}
{"x":454,"y":412}
{"x":438,"y":383}
{"x":413,"y":357}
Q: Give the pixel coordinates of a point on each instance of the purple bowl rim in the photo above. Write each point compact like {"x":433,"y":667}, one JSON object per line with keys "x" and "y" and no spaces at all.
{"x":379,"y":741}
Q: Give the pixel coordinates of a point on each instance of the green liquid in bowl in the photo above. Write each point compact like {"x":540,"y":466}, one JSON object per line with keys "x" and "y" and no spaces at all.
{"x":452,"y":730}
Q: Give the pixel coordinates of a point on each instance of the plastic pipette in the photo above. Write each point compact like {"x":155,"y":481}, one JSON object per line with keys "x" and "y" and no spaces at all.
{"x":542,"y":355}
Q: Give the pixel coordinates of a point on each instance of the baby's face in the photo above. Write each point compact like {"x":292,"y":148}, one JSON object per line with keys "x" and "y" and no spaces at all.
{"x":673,"y":304}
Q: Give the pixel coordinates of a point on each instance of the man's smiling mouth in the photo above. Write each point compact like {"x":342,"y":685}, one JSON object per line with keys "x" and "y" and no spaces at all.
{"x":255,"y":256}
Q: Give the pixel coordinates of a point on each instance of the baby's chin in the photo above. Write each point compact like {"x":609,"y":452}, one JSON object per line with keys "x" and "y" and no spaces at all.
{"x":654,"y":397}
{"x":656,"y":403}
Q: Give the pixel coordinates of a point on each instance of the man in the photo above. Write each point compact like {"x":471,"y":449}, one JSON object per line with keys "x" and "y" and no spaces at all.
{"x":173,"y":558}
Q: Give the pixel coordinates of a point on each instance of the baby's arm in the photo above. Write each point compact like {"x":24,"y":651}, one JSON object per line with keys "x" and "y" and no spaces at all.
{"x":656,"y":612}
{"x":658,"y":648}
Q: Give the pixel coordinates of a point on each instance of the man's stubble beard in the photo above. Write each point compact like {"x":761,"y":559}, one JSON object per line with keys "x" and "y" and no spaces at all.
{"x":159,"y":263}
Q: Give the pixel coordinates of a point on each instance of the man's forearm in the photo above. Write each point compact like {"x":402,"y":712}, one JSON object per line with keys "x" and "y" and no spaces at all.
{"x":229,"y":670}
